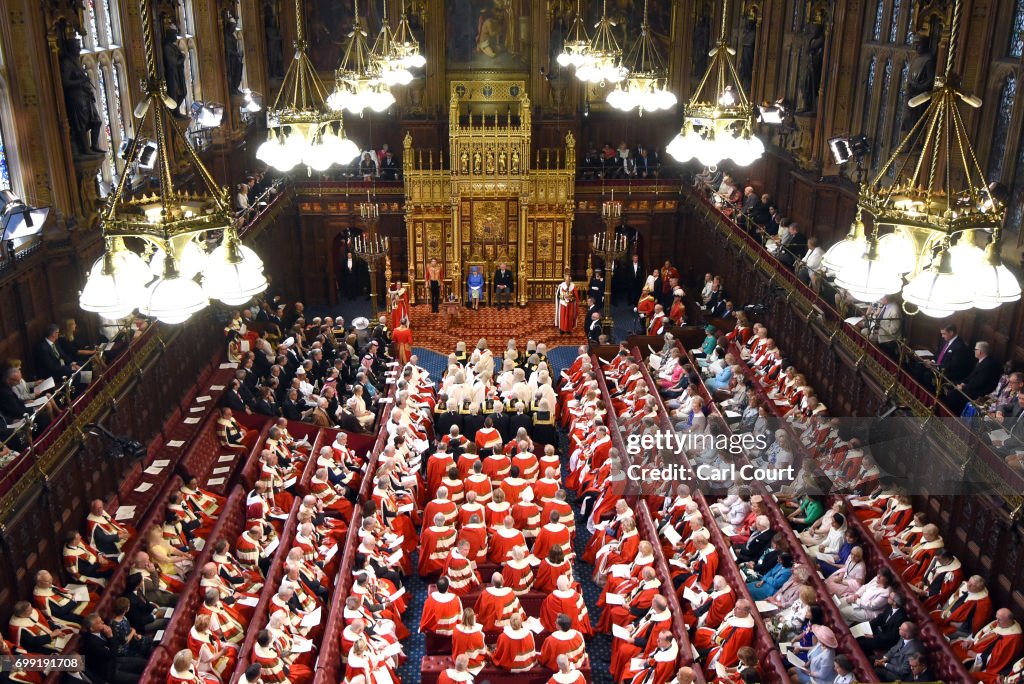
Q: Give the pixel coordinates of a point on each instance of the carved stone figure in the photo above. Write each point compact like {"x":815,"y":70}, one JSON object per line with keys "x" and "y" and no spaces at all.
{"x":464,"y":163}
{"x":232,"y":53}
{"x":515,"y":162}
{"x":80,"y":101}
{"x":920,"y":79}
{"x":502,"y":162}
{"x":810,"y":78}
{"x":174,"y":68}
{"x":477,"y":162}
{"x":748,"y":41}
{"x":272,"y":33}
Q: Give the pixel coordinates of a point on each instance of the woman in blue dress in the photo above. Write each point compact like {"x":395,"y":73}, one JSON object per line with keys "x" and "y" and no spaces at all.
{"x":772,"y":580}
{"x":475,"y":282}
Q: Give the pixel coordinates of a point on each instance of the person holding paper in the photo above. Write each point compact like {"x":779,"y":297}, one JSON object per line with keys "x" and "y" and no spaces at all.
{"x":84,"y":564}
{"x":184,"y":671}
{"x":659,"y":666}
{"x":885,"y":627}
{"x":296,"y":653}
{"x":820,"y":667}
{"x":967,"y":610}
{"x":721,"y":644}
{"x":632,"y":599}
{"x":63,"y":606}
{"x":993,"y":649}
{"x":212,"y":654}
{"x":515,"y":650}
{"x":640,"y":639}
{"x":563,"y":642}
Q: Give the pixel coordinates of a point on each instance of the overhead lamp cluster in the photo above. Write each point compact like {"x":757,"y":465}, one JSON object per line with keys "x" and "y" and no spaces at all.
{"x":640,"y":79}
{"x":180,"y":278}
{"x":718,"y":121}
{"x":939,"y":207}
{"x":365,"y":77}
{"x":302,"y":128}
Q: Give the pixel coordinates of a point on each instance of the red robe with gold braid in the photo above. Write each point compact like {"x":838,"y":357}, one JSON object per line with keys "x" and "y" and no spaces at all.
{"x":462,"y":576}
{"x":724,"y":643}
{"x":476,"y":535}
{"x":435,"y":542}
{"x":570,"y":644}
{"x":518,"y":576}
{"x":569,"y":602}
{"x":516,"y":650}
{"x":658,"y":668}
{"x":441,"y":612}
{"x":649,"y":627}
{"x":998,"y":647}
{"x":502,"y":543}
{"x":470,"y":642}
{"x":190,"y":676}
{"x":972,"y":608}
{"x":547,"y":575}
{"x":640,"y":596}
{"x":495,"y":606}
{"x":271,"y":666}
{"x":551,"y":535}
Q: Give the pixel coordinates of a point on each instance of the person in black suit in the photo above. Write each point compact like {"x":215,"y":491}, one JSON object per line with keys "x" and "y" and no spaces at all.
{"x":290,"y":407}
{"x":795,"y":246}
{"x":596,"y":289}
{"x":758,"y":541}
{"x":102,"y":663}
{"x":634,"y":277}
{"x":953,"y":359}
{"x":499,"y":419}
{"x":894,"y":666}
{"x":10,"y":404}
{"x":141,"y":612}
{"x":984,"y":377}
{"x":594,"y":328}
{"x":918,"y":669}
{"x":233,"y":398}
{"x":504,"y":284}
{"x":51,"y":362}
{"x":885,"y":627}
{"x":443,"y":421}
{"x":472,"y":421}
{"x":766,"y":561}
{"x":519,"y":419}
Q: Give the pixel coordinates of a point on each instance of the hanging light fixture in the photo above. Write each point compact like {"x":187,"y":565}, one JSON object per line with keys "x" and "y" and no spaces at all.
{"x":302,"y":128}
{"x":867,"y":278}
{"x":171,"y":222}
{"x":603,"y":57}
{"x":392,"y":69}
{"x":404,"y":47}
{"x":937,"y":194}
{"x":846,"y":250}
{"x":357,"y":82}
{"x":645,"y":86}
{"x":576,"y":47}
{"x":718,"y":121}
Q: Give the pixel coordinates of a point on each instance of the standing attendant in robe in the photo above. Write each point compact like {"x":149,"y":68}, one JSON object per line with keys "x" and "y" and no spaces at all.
{"x":399,"y":298}
{"x":402,"y":337}
{"x":566,"y":306}
{"x":475,"y":283}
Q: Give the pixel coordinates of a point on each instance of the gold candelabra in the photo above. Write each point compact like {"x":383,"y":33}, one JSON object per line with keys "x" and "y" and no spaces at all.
{"x":372,"y":248}
{"x":609,"y":247}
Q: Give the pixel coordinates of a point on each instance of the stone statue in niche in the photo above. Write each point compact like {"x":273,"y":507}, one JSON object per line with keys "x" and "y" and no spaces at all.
{"x":515,"y":162}
{"x":920,"y":79}
{"x":464,"y":163}
{"x":80,"y":101}
{"x":748,"y":40}
{"x":272,"y":34}
{"x":810,"y":77}
{"x":232,"y":53}
{"x":477,"y":162}
{"x":502,"y":162}
{"x":174,"y":68}
{"x":489,"y":163}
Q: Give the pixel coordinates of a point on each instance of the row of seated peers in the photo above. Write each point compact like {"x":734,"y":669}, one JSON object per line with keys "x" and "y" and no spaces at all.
{"x":875,"y":607}
{"x":285,"y":650}
{"x":478,"y":521}
{"x":114,"y":647}
{"x":319,"y":372}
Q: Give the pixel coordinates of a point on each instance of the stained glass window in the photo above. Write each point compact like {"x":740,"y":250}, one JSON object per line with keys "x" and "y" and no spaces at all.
{"x":108,"y":165}
{"x":894,"y":24}
{"x":909,"y":39}
{"x":876,"y":32}
{"x":91,"y":29}
{"x":187,"y":44}
{"x":1002,"y":128}
{"x":100,"y":60}
{"x":1015,"y":212}
{"x":5,"y":173}
{"x":1016,"y":48}
{"x":108,"y":22}
{"x":797,"y":6}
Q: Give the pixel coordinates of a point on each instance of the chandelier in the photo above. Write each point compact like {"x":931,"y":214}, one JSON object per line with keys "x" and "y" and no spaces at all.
{"x":302,"y":130}
{"x":720,"y":126}
{"x":575,"y":49}
{"x":938,"y":205}
{"x":358,"y":84}
{"x":393,"y":70}
{"x":405,"y":49}
{"x":645,"y":86}
{"x":603,"y":57}
{"x":171,"y":224}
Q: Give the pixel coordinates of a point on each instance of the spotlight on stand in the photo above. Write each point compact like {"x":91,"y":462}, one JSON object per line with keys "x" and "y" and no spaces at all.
{"x":844,"y":149}
{"x":20,"y":221}
{"x":207,"y":114}
{"x":119,"y":446}
{"x":773,"y":115}
{"x":147,"y":156}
